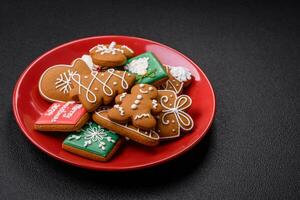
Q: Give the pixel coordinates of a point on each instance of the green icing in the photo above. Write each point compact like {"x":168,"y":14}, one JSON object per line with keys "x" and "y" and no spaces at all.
{"x":94,"y":139}
{"x":155,"y":70}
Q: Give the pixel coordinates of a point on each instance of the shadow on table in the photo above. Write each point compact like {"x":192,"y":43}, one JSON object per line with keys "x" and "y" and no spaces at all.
{"x":169,"y":172}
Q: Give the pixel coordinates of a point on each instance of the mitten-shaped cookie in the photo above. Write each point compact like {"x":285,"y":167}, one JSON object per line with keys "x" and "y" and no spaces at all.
{"x":110,"y":55}
{"x":55,"y":83}
{"x":137,"y":107}
{"x":98,"y":88}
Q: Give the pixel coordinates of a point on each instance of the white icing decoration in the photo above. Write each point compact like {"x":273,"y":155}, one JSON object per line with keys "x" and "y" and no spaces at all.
{"x":61,"y":111}
{"x":52,"y":109}
{"x":133,"y":106}
{"x":180,"y":73}
{"x":138,"y":66}
{"x":73,"y":110}
{"x":126,"y":47}
{"x":151,"y":88}
{"x":180,"y":105}
{"x":63,"y":82}
{"x":96,"y":89}
{"x":141,"y":85}
{"x":115,"y":83}
{"x":154,"y":104}
{"x":88,"y":61}
{"x":144,"y":91}
{"x":152,"y":135}
{"x":110,"y":49}
{"x":139,"y":97}
{"x":94,"y":134}
{"x":146,"y":115}
{"x":137,"y":101}
{"x":74,"y":137}
{"x":85,"y":76}
{"x":106,"y":89}
{"x":123,"y":96}
{"x":120,"y":109}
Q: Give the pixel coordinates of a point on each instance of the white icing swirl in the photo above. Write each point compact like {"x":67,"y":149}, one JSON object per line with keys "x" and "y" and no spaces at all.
{"x":141,"y":116}
{"x":180,"y":105}
{"x":106,"y":89}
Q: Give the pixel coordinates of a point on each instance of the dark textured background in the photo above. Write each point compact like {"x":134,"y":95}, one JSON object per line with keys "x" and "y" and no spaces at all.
{"x":249,"y":51}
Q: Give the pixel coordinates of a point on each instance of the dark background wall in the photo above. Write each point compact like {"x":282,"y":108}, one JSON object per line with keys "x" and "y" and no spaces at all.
{"x":249,"y":51}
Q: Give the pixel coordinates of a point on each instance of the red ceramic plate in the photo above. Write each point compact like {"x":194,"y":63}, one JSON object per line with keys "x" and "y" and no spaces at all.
{"x":28,"y":105}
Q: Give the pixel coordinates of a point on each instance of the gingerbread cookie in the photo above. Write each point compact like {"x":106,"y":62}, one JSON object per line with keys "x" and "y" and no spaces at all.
{"x":55,"y":83}
{"x":148,"y":138}
{"x":179,"y":78}
{"x":93,"y":142}
{"x":62,"y":116}
{"x":136,"y":107}
{"x":98,"y":88}
{"x":173,"y":118}
{"x":147,"y":69}
{"x":110,"y":55}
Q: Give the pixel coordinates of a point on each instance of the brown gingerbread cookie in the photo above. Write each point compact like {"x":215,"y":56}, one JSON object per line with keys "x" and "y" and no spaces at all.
{"x":179,"y":78}
{"x":145,"y":137}
{"x":137,"y":107}
{"x":98,"y":88}
{"x":173,"y":119}
{"x":55,"y":83}
{"x":110,"y":55}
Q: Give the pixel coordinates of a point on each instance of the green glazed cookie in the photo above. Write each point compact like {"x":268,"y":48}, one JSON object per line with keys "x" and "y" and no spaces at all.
{"x":147,"y":69}
{"x":93,"y":142}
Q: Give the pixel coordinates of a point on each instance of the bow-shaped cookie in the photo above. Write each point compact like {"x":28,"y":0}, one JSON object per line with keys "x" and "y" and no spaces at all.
{"x":173,"y":118}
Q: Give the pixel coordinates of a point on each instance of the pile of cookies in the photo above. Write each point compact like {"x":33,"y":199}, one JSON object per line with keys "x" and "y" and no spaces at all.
{"x":111,"y":95}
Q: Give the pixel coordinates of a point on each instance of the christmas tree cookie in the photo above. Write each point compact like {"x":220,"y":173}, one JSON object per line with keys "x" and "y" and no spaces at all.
{"x":93,"y":142}
{"x":147,"y":69}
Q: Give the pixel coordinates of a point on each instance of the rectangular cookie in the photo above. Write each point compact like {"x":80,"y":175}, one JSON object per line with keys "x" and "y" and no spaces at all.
{"x":148,"y":138}
{"x":147,"y":69}
{"x":93,"y":142}
{"x":62,"y":117}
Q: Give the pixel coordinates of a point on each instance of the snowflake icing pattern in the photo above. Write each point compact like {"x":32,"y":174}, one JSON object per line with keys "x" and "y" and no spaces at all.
{"x":92,"y":135}
{"x":63,"y":82}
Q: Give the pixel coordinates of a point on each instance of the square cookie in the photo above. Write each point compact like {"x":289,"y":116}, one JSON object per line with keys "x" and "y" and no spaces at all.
{"x":62,"y":116}
{"x":147,"y":69}
{"x":93,"y":142}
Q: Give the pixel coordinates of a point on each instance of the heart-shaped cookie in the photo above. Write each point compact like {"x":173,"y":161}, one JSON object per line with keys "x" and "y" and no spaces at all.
{"x":56,"y":82}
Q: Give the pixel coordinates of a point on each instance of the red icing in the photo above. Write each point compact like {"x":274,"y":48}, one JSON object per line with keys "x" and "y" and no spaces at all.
{"x":62,"y":113}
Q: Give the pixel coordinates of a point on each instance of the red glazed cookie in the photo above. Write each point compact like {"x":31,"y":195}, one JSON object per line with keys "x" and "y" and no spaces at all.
{"x":110,"y":55}
{"x":55,"y":83}
{"x":137,"y":107}
{"x":173,"y":118}
{"x":98,"y":88}
{"x":148,"y":138}
{"x":64,"y":117}
{"x":179,"y":78}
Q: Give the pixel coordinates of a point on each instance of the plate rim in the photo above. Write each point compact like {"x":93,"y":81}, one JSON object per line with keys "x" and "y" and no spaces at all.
{"x":101,"y":168}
